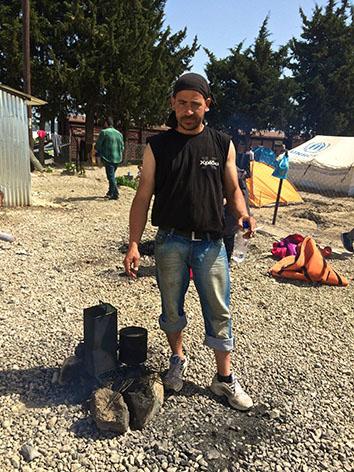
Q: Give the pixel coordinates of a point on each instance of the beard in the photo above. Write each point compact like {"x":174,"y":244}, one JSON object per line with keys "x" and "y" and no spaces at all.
{"x":190,"y":123}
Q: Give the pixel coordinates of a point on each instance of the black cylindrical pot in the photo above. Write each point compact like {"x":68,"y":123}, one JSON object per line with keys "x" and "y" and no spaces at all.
{"x":132,"y":345}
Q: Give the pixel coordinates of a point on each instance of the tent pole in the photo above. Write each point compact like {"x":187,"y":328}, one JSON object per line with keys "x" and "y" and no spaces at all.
{"x":277,"y":201}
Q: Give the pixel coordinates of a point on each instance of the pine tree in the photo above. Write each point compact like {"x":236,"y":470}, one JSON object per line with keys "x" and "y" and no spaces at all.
{"x":249,"y":87}
{"x":120,"y":60}
{"x":145,"y":60}
{"x":11,"y":43}
{"x":323,"y":69}
{"x":96,"y":56}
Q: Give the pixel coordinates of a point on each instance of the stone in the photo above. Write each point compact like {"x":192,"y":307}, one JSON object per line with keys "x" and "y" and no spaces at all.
{"x":109,"y":410}
{"x":52,"y":422}
{"x":15,"y":462}
{"x":6,"y":424}
{"x":274,"y":414}
{"x":213,"y":454}
{"x":29,"y":452}
{"x":144,"y":400}
{"x":71,"y":369}
{"x":115,"y":458}
{"x":55,"y":376}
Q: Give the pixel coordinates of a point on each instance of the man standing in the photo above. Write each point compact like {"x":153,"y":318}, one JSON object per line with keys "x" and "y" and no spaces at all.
{"x":110,"y":147}
{"x":245,"y":161}
{"x":190,"y":169}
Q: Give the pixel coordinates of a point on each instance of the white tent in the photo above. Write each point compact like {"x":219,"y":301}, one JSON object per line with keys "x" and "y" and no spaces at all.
{"x":324,"y":164}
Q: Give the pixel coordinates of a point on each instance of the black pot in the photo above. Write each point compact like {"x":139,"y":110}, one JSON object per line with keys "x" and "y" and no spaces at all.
{"x":132,"y":345}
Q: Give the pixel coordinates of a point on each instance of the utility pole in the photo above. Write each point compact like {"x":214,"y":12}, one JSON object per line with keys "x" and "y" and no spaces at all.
{"x":27,"y":61}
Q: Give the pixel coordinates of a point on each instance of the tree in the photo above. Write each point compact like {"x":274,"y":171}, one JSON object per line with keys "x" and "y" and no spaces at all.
{"x":11,"y":43}
{"x":323,"y":68}
{"x":270,"y":92}
{"x":121,"y":60}
{"x":96,"y":56}
{"x":50,"y":78}
{"x":145,"y":60}
{"x":249,"y":87}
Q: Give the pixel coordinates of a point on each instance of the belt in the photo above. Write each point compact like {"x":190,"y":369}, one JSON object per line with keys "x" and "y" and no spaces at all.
{"x":194,"y":235}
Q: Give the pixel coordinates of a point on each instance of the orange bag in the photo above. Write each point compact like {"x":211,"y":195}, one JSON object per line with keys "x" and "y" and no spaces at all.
{"x":309,"y":266}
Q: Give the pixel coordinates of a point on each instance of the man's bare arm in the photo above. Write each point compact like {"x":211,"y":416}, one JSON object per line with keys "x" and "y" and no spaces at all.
{"x":139,"y":211}
{"x":234,"y":196}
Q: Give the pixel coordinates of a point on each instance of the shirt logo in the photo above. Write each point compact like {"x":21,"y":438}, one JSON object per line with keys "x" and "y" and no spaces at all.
{"x":205,"y":162}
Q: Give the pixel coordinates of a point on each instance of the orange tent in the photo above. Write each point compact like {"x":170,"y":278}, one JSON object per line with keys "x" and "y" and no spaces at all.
{"x":263,"y":188}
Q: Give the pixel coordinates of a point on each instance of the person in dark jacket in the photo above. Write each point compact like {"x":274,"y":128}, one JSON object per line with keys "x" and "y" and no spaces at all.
{"x":230,"y":221}
{"x":189,"y":169}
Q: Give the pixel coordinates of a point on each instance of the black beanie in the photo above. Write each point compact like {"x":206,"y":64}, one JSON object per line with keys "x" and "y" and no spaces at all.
{"x":192,"y":81}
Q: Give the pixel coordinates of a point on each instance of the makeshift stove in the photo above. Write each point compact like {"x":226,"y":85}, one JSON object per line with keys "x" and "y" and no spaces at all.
{"x":123,"y":391}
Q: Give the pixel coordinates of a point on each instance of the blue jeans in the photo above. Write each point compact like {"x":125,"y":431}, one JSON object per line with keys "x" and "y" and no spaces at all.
{"x":111,"y":177}
{"x":175,"y":255}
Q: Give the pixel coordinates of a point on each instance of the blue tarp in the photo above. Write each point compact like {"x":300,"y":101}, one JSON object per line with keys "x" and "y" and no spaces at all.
{"x":282,"y":166}
{"x":266,"y":155}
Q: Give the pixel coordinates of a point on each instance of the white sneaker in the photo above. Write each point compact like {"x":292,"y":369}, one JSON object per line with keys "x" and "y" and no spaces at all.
{"x":234,"y":393}
{"x":173,"y":380}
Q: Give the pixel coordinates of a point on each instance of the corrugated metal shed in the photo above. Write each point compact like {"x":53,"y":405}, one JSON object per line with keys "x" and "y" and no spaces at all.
{"x":15,"y":175}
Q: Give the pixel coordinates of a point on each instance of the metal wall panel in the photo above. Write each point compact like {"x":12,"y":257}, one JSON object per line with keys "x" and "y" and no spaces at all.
{"x":15,"y":175}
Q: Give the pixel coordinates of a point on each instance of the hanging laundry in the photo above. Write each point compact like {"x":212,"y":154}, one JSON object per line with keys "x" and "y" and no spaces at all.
{"x":41,"y":133}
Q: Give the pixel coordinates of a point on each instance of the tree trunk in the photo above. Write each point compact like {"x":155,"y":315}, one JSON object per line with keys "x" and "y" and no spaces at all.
{"x":89,"y":128}
{"x":35,"y":162}
{"x":125,"y":130}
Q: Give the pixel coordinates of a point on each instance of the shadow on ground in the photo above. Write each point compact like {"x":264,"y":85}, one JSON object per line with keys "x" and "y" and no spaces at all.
{"x":35,"y":388}
{"x":90,"y":198}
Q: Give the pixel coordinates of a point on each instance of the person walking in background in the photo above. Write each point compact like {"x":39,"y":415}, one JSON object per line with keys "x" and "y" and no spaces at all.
{"x":110,"y":147}
{"x":189,"y":169}
{"x":348,"y":240}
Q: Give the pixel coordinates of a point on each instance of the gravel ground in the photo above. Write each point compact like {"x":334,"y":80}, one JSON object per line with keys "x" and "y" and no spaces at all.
{"x":294,"y":350}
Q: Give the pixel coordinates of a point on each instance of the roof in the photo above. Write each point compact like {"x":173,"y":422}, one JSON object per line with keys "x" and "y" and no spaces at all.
{"x":76,"y":118}
{"x":80,"y":120}
{"x":267,"y":134}
{"x":30,"y":99}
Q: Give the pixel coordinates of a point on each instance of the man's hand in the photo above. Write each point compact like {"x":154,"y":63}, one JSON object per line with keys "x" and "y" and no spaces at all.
{"x":250,"y":225}
{"x":131,"y":262}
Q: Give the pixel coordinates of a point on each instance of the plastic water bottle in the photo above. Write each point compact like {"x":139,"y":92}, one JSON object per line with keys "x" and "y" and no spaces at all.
{"x":240,"y":246}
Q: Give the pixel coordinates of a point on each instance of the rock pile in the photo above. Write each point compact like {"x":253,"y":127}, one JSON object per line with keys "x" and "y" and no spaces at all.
{"x":136,"y":406}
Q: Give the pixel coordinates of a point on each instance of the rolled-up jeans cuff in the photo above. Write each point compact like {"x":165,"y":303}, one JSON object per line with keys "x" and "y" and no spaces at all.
{"x":218,"y":344}
{"x":173,"y":327}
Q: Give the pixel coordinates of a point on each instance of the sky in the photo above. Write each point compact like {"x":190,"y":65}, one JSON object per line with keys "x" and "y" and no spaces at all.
{"x":221,"y":24}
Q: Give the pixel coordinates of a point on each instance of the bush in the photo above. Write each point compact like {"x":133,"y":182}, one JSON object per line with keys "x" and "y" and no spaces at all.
{"x":70,"y":168}
{"x":126,"y":181}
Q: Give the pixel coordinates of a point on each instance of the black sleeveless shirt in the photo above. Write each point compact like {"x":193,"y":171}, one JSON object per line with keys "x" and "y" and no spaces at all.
{"x":189,"y":180}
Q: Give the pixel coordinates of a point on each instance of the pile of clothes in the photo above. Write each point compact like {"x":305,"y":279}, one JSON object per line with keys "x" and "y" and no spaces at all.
{"x":301,"y":259}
